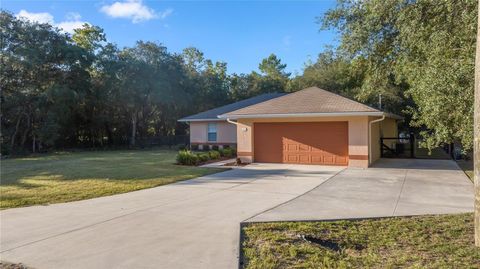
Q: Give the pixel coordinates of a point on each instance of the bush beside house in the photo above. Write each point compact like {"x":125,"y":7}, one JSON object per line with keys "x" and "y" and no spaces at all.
{"x":187,"y":157}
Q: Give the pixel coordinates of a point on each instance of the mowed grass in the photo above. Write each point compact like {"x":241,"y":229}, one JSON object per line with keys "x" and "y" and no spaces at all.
{"x":444,"y":241}
{"x":65,"y":177}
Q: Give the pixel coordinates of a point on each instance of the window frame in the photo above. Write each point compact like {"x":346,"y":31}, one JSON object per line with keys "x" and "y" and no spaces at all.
{"x":214,"y":125}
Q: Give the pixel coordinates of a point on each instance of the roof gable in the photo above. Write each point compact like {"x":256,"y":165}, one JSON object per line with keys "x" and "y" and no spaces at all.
{"x":309,"y":100}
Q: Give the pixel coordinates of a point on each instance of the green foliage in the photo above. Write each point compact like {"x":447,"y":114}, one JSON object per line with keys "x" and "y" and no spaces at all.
{"x":187,"y":157}
{"x":331,"y":71}
{"x":423,"y":50}
{"x":81,"y":91}
{"x":227,"y":152}
{"x":203,"y":157}
{"x":214,"y":154}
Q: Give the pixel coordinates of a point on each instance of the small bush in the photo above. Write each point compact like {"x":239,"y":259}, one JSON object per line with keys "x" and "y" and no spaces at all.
{"x":194,"y":147}
{"x":187,"y":157}
{"x":214,"y":154}
{"x":203,"y":157}
{"x":227,"y":152}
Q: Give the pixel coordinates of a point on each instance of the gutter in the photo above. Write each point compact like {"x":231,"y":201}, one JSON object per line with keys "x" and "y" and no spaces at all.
{"x":232,"y":122}
{"x":294,"y":115}
{"x":370,"y":138}
{"x":193,"y":120}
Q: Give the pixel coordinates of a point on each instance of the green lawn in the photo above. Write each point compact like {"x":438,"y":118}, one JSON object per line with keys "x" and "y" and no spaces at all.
{"x":64,"y":177}
{"x":444,"y":241}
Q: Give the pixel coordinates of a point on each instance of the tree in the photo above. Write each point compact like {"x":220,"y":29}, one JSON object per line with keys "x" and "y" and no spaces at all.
{"x":43,"y":81}
{"x":476,"y":143}
{"x":415,"y":49}
{"x":331,"y":72}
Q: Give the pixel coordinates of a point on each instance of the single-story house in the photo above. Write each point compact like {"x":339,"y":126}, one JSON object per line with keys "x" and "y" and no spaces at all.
{"x":311,"y":126}
{"x":207,"y":129}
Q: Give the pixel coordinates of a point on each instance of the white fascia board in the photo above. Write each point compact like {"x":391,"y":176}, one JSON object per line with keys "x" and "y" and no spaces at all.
{"x":296,"y":115}
{"x":192,"y":120}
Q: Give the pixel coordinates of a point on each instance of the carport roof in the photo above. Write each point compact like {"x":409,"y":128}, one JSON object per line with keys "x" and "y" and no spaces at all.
{"x":308,"y":102}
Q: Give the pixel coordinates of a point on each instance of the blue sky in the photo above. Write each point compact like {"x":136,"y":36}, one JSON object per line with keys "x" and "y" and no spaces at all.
{"x":240,"y":33}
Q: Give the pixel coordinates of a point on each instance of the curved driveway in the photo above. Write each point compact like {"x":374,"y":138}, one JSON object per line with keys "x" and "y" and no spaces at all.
{"x":195,"y":223}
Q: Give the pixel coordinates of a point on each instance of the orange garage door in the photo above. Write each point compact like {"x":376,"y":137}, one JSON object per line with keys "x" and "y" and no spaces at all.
{"x":301,"y":142}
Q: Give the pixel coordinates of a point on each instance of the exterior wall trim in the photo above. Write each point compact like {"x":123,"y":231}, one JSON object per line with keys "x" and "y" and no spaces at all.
{"x":244,"y":153}
{"x":297,"y":115}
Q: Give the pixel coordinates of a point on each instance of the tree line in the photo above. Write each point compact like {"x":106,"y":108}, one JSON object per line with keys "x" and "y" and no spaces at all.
{"x":63,"y":91}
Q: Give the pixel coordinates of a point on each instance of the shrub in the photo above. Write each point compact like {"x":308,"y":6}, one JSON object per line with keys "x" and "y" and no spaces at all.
{"x":194,"y":147}
{"x":187,"y":157}
{"x":203,"y":157}
{"x":215,"y":147}
{"x":214,"y":154}
{"x":227,"y":152}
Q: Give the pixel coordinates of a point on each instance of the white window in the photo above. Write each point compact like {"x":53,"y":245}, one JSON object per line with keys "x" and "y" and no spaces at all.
{"x":212,"y":132}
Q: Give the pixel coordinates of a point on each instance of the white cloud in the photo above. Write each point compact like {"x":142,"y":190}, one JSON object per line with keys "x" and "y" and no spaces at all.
{"x":134,"y":10}
{"x":73,"y":16}
{"x":73,"y":20}
{"x":129,"y":9}
{"x":42,"y":17}
{"x":69,"y":26}
{"x":166,"y":13}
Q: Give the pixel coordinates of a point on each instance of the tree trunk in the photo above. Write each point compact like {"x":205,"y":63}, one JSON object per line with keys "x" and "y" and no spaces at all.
{"x":134,"y":129}
{"x":476,"y":140}
{"x":12,"y":140}
{"x":33,"y":144}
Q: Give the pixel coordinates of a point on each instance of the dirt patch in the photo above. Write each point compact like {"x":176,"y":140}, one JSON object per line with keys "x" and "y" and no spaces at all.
{"x":8,"y":265}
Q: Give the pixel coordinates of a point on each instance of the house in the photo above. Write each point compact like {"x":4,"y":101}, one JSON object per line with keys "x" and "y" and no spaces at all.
{"x":311,"y":126}
{"x":207,"y":129}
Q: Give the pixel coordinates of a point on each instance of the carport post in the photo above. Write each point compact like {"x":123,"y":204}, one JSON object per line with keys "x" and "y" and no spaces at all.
{"x":412,"y":145}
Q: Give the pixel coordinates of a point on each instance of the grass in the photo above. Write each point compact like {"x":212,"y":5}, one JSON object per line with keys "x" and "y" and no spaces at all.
{"x":444,"y":241}
{"x":65,"y":177}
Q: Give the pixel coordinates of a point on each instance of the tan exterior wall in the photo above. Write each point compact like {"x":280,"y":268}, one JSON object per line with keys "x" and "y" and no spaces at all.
{"x":386,"y":128}
{"x":226,"y":133}
{"x":357,"y":137}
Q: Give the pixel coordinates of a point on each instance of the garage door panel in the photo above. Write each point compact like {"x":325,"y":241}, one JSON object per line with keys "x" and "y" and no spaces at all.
{"x":304,"y":142}
{"x":302,"y":147}
{"x":304,"y":158}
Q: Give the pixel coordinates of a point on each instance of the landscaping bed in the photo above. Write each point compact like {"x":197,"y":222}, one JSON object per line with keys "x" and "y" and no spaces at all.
{"x":443,"y":241}
{"x":188,"y":157}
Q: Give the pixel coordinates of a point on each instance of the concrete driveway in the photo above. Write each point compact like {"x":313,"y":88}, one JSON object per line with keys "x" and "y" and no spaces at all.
{"x":195,"y":223}
{"x":393,"y":187}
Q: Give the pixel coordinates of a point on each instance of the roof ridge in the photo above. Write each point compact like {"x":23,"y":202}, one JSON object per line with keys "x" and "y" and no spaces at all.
{"x":345,"y":97}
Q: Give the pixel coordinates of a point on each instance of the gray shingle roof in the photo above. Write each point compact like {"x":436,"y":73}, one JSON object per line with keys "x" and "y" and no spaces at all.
{"x":309,"y":100}
{"x":213,"y":113}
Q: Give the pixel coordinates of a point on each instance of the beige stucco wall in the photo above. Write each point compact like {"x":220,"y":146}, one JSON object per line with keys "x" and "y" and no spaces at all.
{"x":226,"y":132}
{"x":357,"y":137}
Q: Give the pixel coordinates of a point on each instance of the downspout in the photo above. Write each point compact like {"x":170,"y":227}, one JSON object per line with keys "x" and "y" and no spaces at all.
{"x":232,"y":122}
{"x":370,"y":138}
